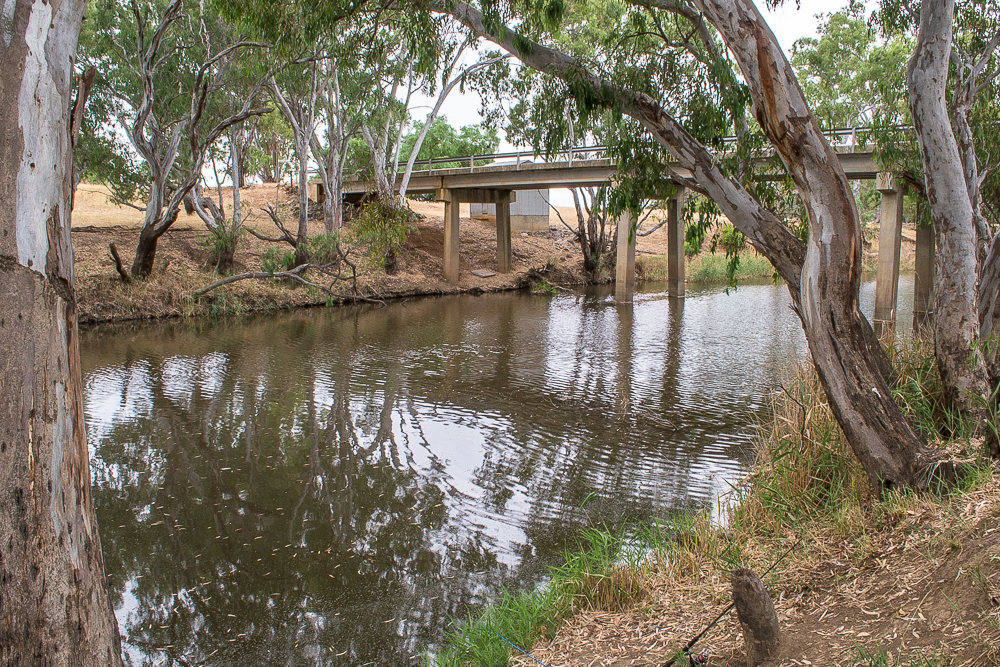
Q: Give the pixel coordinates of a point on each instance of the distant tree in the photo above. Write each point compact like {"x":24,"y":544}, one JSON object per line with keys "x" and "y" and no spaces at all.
{"x":442,"y":140}
{"x":849,"y":77}
{"x":143,"y":59}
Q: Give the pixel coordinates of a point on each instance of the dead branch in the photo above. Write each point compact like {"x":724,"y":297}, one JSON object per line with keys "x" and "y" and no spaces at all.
{"x":292,"y":274}
{"x":119,"y":267}
{"x":286,"y":236}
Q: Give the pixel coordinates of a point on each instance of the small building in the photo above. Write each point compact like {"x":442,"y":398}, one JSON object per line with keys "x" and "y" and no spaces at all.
{"x":529,"y":212}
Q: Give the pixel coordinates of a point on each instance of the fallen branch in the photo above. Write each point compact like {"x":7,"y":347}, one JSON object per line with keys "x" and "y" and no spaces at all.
{"x":292,"y":274}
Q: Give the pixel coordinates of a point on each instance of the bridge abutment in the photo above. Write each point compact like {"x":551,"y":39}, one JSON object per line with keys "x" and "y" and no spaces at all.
{"x":453,"y":198}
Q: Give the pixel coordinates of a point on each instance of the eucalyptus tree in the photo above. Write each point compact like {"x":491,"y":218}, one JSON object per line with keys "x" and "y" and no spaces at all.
{"x":339,"y":121}
{"x":398,"y":58}
{"x":296,"y":97}
{"x":823,"y":273}
{"x":54,"y":603}
{"x":967,"y":276}
{"x":450,"y":78}
{"x":849,"y":76}
{"x":145,"y":52}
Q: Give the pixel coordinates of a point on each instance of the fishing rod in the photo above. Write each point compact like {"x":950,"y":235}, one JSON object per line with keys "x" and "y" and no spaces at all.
{"x":687,"y":647}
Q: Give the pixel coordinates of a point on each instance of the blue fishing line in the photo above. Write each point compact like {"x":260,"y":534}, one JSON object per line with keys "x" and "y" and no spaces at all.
{"x":518,"y":648}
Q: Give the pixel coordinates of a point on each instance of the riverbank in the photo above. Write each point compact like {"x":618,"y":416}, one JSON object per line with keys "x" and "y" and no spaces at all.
{"x":903,"y":580}
{"x":183,"y":262}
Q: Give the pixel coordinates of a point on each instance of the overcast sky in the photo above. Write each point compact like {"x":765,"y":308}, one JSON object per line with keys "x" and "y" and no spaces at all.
{"x":788,"y":22}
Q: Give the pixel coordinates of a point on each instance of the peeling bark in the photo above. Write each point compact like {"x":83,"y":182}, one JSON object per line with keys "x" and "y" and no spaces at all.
{"x":54,"y":603}
{"x":956,"y":314}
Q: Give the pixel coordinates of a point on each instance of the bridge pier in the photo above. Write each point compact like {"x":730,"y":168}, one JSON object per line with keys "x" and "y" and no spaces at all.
{"x":453,"y":198}
{"x":675,"y":245}
{"x":625,"y":259}
{"x":890,"y":234}
{"x":503,"y":232}
{"x":923,"y":279}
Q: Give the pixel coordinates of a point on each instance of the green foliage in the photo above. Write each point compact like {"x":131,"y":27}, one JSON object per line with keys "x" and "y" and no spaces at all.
{"x":848,"y":76}
{"x":277,"y":259}
{"x":731,"y":239}
{"x":324,"y":248}
{"x":382,"y":229}
{"x":223,"y":240}
{"x":443,"y":141}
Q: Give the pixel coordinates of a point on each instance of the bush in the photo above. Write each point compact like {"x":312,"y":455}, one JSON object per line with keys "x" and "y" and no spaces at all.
{"x":324,"y":248}
{"x":731,"y":240}
{"x":275,"y":260}
{"x":221,"y":244}
{"x":383,"y":228}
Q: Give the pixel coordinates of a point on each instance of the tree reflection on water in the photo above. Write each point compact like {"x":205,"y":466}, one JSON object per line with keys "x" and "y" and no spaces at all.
{"x":331,"y":487}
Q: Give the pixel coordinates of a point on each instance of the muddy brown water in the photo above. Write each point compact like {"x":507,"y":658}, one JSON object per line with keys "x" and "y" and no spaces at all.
{"x":333,"y":486}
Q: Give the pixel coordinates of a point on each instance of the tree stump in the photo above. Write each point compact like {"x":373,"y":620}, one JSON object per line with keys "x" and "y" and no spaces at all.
{"x":758,"y":619}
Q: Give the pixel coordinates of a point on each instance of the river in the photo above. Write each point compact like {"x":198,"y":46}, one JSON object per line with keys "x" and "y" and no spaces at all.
{"x":332,"y":486}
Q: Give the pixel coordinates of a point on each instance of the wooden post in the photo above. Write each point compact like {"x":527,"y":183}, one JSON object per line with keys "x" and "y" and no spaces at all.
{"x":890,"y":233}
{"x":503,"y":233}
{"x":625,"y":262}
{"x":451,"y":208}
{"x":675,"y":245}
{"x":923,"y":280}
{"x":761,"y":633}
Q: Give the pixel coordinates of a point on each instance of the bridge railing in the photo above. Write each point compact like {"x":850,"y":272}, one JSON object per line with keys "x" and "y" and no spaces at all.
{"x":842,"y":139}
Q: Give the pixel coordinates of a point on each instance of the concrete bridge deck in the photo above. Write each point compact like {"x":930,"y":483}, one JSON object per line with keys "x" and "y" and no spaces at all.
{"x":495,"y":182}
{"x":578,"y":173}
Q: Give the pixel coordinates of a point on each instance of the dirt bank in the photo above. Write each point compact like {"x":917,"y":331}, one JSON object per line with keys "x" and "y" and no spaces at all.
{"x":182,"y":261}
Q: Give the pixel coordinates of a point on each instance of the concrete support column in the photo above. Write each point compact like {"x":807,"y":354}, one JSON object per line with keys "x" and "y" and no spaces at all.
{"x":625,"y":262}
{"x":675,"y":245}
{"x":890,"y":233}
{"x":503,"y":233}
{"x":451,"y":208}
{"x":923,"y":279}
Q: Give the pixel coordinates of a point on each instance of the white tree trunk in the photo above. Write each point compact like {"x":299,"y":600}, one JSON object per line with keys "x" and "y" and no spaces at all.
{"x":956,"y":312}
{"x":54,"y":603}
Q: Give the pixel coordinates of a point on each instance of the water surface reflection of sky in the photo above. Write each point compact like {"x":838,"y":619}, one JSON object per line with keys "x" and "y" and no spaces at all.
{"x":332,"y":486}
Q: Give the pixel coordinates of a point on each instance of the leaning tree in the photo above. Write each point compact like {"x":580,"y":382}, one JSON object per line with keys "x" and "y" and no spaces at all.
{"x":54,"y":603}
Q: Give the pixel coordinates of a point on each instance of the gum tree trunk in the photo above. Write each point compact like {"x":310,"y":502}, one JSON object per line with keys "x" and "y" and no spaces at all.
{"x":956,"y":313}
{"x":54,"y":603}
{"x":824,"y":275}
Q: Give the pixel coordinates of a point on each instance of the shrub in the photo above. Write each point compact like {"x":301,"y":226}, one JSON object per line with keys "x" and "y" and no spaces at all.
{"x":276,"y":259}
{"x":324,"y":248}
{"x":383,"y":228}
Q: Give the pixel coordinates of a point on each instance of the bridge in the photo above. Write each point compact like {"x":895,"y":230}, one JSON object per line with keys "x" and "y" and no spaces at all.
{"x":496,"y":178}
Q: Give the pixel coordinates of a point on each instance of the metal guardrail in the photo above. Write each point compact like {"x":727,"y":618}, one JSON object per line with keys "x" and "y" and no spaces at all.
{"x":842,"y":140}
